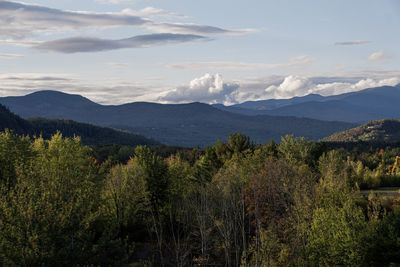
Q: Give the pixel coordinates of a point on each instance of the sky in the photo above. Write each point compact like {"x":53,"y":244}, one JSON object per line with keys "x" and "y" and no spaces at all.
{"x":176,"y":51}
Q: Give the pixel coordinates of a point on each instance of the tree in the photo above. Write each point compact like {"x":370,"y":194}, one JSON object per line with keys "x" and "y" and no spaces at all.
{"x":180,"y":211}
{"x":47,"y":217}
{"x":126,"y":202}
{"x":297,"y":151}
{"x":338,"y":225}
{"x":15,"y":153}
{"x":279,"y":201}
{"x":156,"y":176}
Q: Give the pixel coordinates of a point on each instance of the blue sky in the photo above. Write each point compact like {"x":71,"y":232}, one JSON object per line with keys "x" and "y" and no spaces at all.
{"x":169,"y":51}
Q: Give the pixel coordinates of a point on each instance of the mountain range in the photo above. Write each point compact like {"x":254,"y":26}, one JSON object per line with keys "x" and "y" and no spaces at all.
{"x":356,"y":107}
{"x":89,"y":134}
{"x":189,"y":125}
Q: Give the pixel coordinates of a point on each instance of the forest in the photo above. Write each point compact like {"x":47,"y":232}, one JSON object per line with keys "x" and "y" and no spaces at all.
{"x":236,"y":203}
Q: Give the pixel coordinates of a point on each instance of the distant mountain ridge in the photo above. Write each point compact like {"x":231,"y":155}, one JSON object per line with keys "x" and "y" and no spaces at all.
{"x":90,"y":135}
{"x":355,"y":107}
{"x":382,"y":131}
{"x":193,"y":124}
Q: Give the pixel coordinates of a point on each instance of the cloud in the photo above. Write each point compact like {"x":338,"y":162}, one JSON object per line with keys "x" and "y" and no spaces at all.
{"x":17,"y":20}
{"x":151,"y":12}
{"x":377,"y":56}
{"x":208,"y":88}
{"x":107,"y":90}
{"x":213,"y":89}
{"x":357,"y":42}
{"x":291,"y":86}
{"x":189,"y":28}
{"x":33,"y":77}
{"x":9,"y":56}
{"x":114,"y":2}
{"x":118,"y":64}
{"x":87,"y":44}
{"x":294,"y":62}
{"x":299,"y":86}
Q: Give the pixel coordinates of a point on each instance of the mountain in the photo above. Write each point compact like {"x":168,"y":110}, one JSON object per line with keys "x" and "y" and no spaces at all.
{"x":193,"y":124}
{"x":90,"y":135}
{"x":382,"y":131}
{"x":356,"y":107}
{"x":278,"y":103}
{"x":9,"y":120}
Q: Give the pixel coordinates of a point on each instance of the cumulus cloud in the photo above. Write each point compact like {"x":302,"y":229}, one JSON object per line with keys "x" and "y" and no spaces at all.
{"x":299,"y":86}
{"x":356,"y":42}
{"x":208,"y":88}
{"x":291,"y":86}
{"x":87,"y":44}
{"x":213,"y":89}
{"x":377,"y":56}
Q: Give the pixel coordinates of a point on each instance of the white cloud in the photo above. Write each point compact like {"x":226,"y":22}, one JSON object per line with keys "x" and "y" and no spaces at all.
{"x":291,"y":86}
{"x":214,"y":65}
{"x":377,"y":56}
{"x":151,"y":12}
{"x":213,"y":89}
{"x":9,"y":56}
{"x":106,"y":91}
{"x":208,"y":88}
{"x":299,"y":86}
{"x":114,"y":2}
{"x":18,"y":20}
{"x":118,"y":64}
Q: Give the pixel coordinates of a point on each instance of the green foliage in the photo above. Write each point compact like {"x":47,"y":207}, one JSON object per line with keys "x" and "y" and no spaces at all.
{"x":15,"y":153}
{"x":338,"y":225}
{"x":47,"y":217}
{"x":297,"y":151}
{"x":126,"y":196}
{"x":232,"y":204}
{"x":155,"y":171}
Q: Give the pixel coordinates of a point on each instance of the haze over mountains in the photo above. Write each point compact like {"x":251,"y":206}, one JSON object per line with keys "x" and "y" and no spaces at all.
{"x":357,"y":107}
{"x":194,"y":124}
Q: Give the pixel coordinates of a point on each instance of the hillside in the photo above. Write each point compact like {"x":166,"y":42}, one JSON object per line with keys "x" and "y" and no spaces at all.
{"x":356,"y":107}
{"x":190,"y":125}
{"x":9,"y":120}
{"x":90,"y":135}
{"x":382,"y":131}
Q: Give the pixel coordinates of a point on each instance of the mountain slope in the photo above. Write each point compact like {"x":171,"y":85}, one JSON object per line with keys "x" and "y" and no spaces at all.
{"x":90,"y":135}
{"x":192,"y":124}
{"x":382,"y":131}
{"x":356,"y":107}
{"x":278,"y":103}
{"x":9,"y":120}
